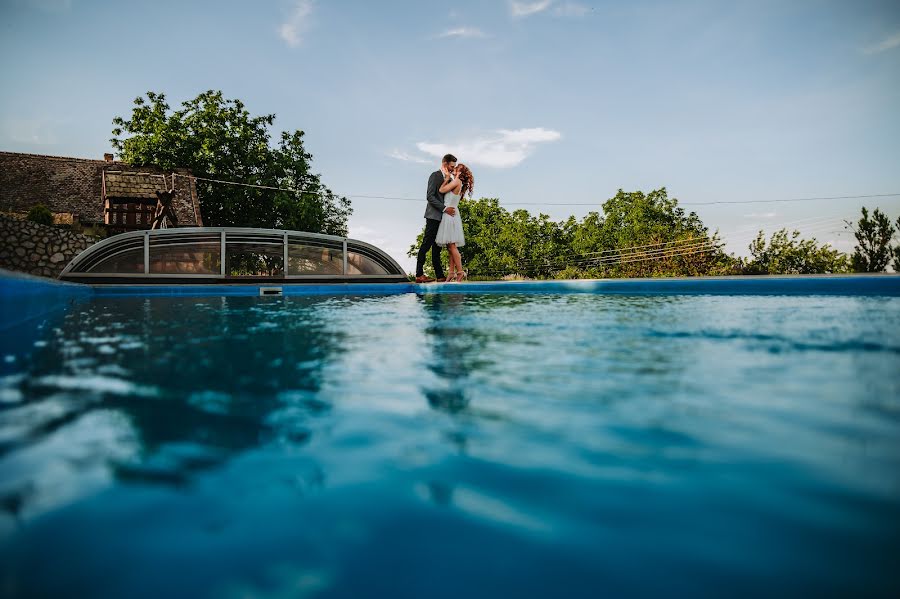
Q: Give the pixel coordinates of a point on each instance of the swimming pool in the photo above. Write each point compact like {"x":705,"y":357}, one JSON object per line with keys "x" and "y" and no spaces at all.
{"x":451,"y":442}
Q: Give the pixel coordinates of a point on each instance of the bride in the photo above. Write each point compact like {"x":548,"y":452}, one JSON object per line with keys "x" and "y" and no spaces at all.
{"x":450,"y":231}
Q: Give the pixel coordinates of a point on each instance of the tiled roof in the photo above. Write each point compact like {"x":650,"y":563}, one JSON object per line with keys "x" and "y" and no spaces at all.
{"x":132,"y":184}
{"x":75,"y":185}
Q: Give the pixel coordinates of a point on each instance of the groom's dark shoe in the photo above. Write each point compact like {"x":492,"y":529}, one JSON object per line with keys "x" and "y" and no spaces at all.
{"x":424,"y":279}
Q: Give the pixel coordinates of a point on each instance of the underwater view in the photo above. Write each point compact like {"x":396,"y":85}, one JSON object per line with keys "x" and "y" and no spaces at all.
{"x":452,"y":445}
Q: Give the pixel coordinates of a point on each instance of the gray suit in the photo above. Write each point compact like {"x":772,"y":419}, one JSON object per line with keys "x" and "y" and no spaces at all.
{"x":435,"y":207}
{"x":434,"y":212}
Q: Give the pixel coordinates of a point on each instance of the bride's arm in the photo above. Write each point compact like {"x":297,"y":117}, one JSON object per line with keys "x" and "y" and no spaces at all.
{"x":449,"y":185}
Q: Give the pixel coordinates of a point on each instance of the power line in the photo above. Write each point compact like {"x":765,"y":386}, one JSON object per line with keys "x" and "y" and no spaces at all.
{"x":294,"y":190}
{"x":573,"y":258}
{"x":404,"y":199}
{"x":729,"y":235}
{"x":874,"y":195}
{"x":253,"y":185}
{"x":628,"y":259}
{"x":689,"y":246}
{"x":612,"y":259}
{"x":551,"y":264}
{"x":695,"y":247}
{"x":877,"y":195}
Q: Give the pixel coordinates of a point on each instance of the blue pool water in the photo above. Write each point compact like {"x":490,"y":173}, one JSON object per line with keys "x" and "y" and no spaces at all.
{"x":452,"y":445}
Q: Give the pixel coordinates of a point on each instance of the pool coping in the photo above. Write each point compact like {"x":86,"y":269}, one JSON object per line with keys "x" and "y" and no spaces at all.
{"x":14,"y":284}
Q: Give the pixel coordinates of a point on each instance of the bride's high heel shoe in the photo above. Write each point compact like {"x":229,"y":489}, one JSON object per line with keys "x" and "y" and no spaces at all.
{"x":462,"y":276}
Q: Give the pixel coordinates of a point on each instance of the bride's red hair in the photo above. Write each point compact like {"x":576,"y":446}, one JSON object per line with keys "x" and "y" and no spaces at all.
{"x":468,"y":180}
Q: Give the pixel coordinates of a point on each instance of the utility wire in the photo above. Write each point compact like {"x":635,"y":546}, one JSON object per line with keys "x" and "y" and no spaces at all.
{"x":729,"y":235}
{"x":611,"y":261}
{"x":403,"y":199}
{"x":576,"y":258}
{"x":629,"y":259}
{"x":698,"y":246}
{"x":608,"y":260}
{"x":602,"y":258}
{"x":874,"y":195}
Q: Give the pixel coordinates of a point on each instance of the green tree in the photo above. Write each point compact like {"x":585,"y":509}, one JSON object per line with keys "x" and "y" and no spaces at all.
{"x":499,"y":242}
{"x":649,"y":235}
{"x":896,"y":251}
{"x":788,"y":254}
{"x":873,"y":237}
{"x":217,"y":138}
{"x":637,"y":235}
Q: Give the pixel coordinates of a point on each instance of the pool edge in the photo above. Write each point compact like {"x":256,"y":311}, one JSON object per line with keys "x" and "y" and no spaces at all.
{"x":14,"y":286}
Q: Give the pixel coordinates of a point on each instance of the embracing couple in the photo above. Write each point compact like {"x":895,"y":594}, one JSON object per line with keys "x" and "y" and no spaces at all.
{"x":443,"y":225}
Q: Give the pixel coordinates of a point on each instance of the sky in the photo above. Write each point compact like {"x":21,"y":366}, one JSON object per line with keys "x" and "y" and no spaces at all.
{"x":549,"y":102}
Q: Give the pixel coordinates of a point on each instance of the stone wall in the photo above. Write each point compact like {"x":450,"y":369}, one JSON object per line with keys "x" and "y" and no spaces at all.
{"x":38,"y":249}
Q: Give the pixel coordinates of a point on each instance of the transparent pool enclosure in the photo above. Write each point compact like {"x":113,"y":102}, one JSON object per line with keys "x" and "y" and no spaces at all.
{"x":231,"y":255}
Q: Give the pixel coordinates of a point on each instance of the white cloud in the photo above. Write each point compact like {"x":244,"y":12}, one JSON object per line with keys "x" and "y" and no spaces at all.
{"x":885,"y":45}
{"x":526,"y":9}
{"x":292,"y":30}
{"x":571,"y":9}
{"x":498,"y":149}
{"x":761,"y":215}
{"x":563,"y":9}
{"x":463,"y":32}
{"x":400,"y":155}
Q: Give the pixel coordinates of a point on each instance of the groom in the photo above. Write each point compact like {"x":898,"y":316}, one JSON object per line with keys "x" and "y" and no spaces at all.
{"x":434,"y":212}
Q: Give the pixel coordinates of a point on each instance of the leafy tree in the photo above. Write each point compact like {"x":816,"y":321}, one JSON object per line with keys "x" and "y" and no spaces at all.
{"x":896,"y":251}
{"x":788,"y":254}
{"x":217,"y":138}
{"x":483,"y":220}
{"x":41,"y":215}
{"x":638,"y":235}
{"x":649,"y":235}
{"x":873,"y":237}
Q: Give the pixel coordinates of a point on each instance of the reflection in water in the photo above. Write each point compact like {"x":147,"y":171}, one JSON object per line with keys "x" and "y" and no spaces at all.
{"x":463,"y":341}
{"x":527,"y":352}
{"x":451,"y":345}
{"x":156,"y":390}
{"x":447,"y":400}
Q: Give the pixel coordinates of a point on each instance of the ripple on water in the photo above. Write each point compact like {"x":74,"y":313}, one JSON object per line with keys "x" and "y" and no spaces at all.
{"x":96,"y":383}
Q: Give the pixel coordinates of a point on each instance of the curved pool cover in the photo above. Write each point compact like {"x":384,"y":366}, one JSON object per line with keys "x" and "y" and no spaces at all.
{"x":700,"y":437}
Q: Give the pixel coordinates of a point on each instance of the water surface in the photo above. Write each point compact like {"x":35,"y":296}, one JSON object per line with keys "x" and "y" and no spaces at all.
{"x":452,"y":445}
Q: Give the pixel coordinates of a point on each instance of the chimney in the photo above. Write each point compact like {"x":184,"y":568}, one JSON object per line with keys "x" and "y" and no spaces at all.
{"x":108,"y":157}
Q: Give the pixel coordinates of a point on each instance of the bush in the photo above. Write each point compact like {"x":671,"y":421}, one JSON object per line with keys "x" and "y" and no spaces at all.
{"x":789,"y":254}
{"x":41,"y":215}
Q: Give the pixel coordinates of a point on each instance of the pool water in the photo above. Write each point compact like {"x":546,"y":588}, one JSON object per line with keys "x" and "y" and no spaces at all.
{"x":452,"y":445}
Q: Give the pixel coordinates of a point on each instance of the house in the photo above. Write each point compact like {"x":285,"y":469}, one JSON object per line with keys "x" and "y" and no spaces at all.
{"x":94,"y":192}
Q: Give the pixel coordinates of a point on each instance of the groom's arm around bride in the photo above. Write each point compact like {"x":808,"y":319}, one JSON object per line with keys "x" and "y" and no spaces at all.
{"x":435,"y":209}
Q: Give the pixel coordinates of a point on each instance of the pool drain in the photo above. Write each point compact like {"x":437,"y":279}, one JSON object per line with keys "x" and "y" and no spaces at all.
{"x":269,"y":291}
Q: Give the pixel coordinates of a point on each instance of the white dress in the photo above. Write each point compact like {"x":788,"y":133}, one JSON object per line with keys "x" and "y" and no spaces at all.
{"x":450,"y":230}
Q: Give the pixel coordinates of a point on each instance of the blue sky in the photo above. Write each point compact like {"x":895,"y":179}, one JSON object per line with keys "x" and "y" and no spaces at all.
{"x":549,"y":101}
